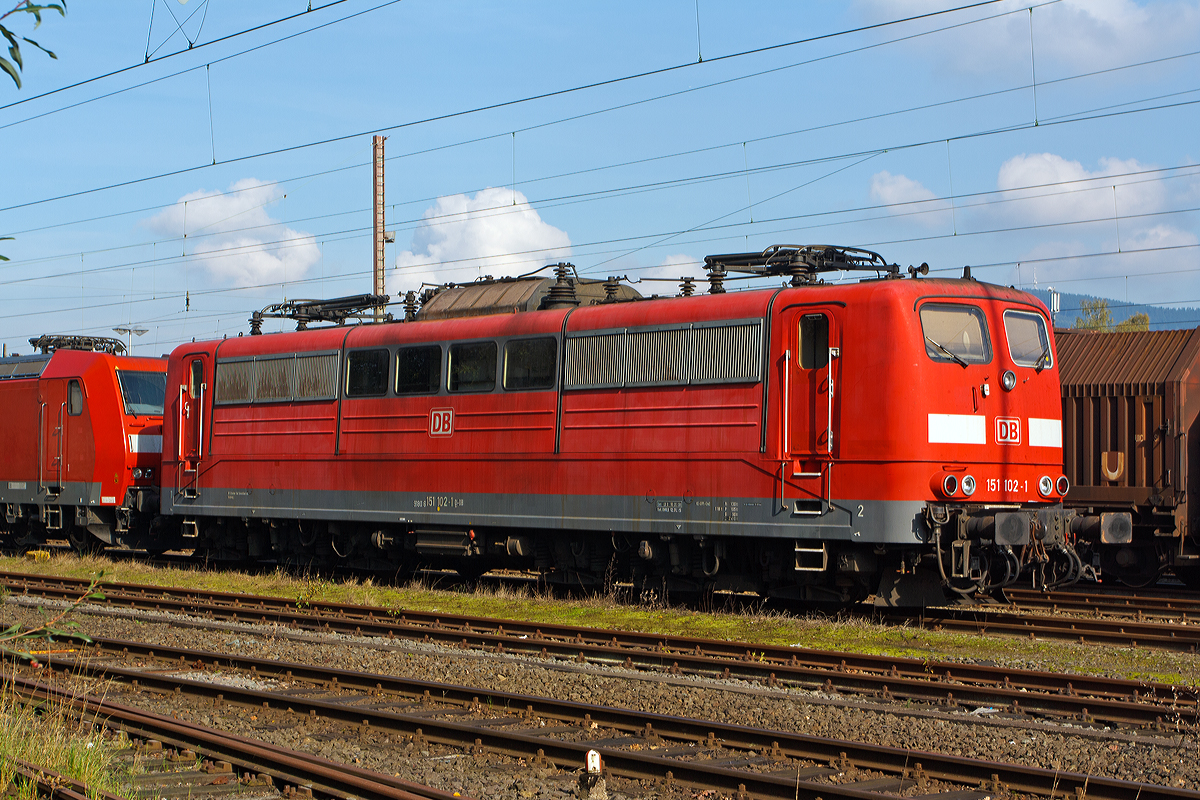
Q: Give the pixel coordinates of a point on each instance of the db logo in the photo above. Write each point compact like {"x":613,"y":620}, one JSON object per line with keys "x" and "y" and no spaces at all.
{"x":441,"y":422}
{"x":1008,"y":430}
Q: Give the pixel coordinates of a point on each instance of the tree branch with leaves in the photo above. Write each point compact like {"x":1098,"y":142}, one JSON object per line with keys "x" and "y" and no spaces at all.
{"x":16,"y":640}
{"x":14,"y":64}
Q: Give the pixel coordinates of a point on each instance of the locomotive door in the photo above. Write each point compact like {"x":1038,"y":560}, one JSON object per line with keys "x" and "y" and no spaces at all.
{"x":193,"y":396}
{"x":811,"y":386}
{"x":78,"y":446}
{"x":51,"y":419}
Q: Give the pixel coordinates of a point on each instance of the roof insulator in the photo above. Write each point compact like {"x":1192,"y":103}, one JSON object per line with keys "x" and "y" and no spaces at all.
{"x":716,"y":279}
{"x":410,"y":306}
{"x":610,"y":288}
{"x":687,"y":286}
{"x":562,"y":293}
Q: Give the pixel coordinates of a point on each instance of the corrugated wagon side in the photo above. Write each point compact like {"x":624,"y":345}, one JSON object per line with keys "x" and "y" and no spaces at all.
{"x":1130,"y":407}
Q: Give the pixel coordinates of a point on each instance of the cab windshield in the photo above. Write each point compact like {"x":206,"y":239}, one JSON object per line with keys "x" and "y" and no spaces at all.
{"x":956,"y":333}
{"x":143,"y":392}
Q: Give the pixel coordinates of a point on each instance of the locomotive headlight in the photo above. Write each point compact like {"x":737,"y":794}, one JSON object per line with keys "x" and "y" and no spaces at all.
{"x":137,"y":473}
{"x":949,"y":485}
{"x":1008,"y":380}
{"x":1046,"y":486}
{"x":1063,"y":485}
{"x":147,"y":472}
{"x":968,"y":485}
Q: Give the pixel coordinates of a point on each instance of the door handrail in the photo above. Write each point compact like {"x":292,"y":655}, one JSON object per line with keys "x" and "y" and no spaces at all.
{"x":62,"y":448}
{"x":41,"y":444}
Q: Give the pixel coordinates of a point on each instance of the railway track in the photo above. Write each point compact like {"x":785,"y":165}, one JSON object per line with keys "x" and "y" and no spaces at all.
{"x":744,"y":761}
{"x":231,"y":759}
{"x":1181,"y":605}
{"x":942,"y":685}
{"x":986,"y":620}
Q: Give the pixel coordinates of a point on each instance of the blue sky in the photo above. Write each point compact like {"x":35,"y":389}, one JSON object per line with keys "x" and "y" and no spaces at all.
{"x":819,"y":122}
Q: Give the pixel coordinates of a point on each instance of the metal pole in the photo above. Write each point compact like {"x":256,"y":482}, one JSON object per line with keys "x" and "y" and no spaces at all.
{"x":377,"y":146}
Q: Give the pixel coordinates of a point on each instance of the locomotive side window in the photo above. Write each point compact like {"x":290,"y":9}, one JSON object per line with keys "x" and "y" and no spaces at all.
{"x":367,"y":373}
{"x":143,"y":392}
{"x":197,"y":378}
{"x":472,"y":367}
{"x":1028,"y":341}
{"x":530,"y":363}
{"x":956,"y":333}
{"x":418,"y":370}
{"x":75,"y":399}
{"x":814,"y":341}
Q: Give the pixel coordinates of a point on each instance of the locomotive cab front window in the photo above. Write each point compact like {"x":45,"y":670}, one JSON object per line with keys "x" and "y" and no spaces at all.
{"x":142,"y":392}
{"x":367,"y":373}
{"x":1028,"y":340}
{"x":955,"y":333}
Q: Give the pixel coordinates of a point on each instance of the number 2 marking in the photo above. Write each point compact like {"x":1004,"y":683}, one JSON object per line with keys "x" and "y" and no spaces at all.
{"x":860,"y":510}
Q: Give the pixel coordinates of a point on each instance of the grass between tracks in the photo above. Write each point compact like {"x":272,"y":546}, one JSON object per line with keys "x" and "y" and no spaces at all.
{"x":759,"y":624}
{"x":48,"y":736}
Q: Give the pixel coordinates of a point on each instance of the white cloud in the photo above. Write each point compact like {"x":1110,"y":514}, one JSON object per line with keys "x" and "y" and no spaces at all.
{"x":1075,"y":34}
{"x":460,"y":238}
{"x":891,"y":189}
{"x":908,"y":197}
{"x":233,"y":237}
{"x":1045,"y":187}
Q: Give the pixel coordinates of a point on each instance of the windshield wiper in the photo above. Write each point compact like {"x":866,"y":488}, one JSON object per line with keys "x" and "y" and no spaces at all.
{"x":955,"y":356}
{"x":1044,"y":358}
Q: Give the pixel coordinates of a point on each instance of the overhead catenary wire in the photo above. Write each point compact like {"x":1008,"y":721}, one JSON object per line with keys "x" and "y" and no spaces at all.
{"x":139,"y":65}
{"x":504,"y":103}
{"x":676,"y":154}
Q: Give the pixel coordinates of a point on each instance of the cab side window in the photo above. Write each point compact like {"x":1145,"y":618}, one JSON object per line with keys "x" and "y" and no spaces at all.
{"x":814,"y":341}
{"x":74,"y":399}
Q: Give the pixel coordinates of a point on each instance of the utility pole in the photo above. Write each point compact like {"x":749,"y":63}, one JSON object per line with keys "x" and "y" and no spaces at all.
{"x":380,"y":236}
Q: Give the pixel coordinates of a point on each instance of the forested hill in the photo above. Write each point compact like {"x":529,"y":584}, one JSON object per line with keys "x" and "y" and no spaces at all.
{"x":1161,"y":317}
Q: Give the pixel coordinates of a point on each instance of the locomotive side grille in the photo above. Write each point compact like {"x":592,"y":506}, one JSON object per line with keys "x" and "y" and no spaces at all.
{"x":595,"y":361}
{"x":692,"y":354}
{"x":315,"y":377}
{"x":726,"y":353}
{"x":658,"y":357}
{"x":234,"y":380}
{"x":273,"y":378}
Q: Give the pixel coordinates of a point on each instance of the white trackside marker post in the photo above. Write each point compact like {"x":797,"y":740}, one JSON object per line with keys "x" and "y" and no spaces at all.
{"x":592,"y":785}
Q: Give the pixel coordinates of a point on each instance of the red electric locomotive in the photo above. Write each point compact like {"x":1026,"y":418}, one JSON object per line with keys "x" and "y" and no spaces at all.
{"x":898,"y":435}
{"x":81,"y":441}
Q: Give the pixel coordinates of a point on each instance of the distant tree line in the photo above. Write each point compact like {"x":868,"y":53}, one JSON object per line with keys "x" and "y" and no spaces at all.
{"x":1095,"y":315}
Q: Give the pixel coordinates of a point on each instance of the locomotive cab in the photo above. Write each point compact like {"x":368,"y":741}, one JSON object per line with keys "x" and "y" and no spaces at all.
{"x":83,"y":429}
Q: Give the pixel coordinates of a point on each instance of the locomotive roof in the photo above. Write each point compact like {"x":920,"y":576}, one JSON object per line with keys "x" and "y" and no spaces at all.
{"x":736,"y":305}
